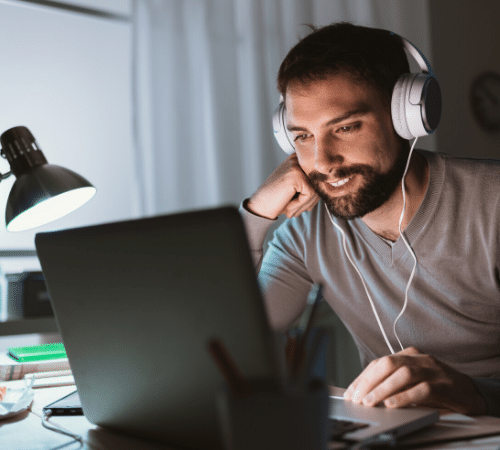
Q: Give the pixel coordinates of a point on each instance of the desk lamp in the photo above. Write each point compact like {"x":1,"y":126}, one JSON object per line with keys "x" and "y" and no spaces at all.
{"x":42,"y":192}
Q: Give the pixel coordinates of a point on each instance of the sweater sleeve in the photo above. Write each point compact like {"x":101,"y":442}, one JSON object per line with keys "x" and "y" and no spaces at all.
{"x":489,"y":388}
{"x":283,"y":277}
{"x":256,"y":228}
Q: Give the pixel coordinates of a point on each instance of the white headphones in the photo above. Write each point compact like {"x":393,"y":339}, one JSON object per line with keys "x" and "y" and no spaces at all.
{"x":415,"y":104}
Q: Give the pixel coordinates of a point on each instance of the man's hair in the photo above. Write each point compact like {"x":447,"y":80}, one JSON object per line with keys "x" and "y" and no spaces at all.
{"x":371,"y":54}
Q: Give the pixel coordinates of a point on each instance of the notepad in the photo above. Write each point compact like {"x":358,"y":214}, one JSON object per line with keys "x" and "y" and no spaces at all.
{"x":37,"y":352}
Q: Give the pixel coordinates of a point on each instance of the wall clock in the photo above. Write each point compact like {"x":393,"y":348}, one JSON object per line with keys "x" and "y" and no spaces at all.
{"x":485,"y":101}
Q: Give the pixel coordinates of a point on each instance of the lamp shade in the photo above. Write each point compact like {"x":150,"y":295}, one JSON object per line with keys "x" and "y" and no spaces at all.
{"x":42,"y":192}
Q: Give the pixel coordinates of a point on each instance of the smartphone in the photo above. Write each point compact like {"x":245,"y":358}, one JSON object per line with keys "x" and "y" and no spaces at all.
{"x":69,"y":405}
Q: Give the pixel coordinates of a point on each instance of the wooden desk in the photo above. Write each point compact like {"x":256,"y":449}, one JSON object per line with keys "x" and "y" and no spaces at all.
{"x":25,"y":432}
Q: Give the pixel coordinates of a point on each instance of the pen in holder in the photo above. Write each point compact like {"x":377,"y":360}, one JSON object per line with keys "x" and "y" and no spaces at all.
{"x":268,"y":414}
{"x":270,"y":418}
{"x":263,"y":413}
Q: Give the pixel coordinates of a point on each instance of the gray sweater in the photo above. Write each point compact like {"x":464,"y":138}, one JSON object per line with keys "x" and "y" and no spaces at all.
{"x":453,"y":311}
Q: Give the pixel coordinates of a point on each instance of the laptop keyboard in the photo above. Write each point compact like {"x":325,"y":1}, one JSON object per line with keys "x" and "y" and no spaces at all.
{"x":340,"y":427}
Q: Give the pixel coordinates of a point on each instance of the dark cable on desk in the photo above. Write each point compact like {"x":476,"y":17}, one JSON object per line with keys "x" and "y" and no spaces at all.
{"x":58,"y":428}
{"x":387,"y":439}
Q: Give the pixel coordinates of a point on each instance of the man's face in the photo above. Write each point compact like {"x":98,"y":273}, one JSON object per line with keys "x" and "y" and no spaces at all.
{"x":345,"y":143}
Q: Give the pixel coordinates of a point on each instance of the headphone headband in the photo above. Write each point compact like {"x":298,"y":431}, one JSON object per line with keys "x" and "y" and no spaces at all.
{"x":418,"y":56}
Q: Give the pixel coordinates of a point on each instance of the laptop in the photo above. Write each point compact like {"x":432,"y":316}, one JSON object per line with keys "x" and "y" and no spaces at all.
{"x":136,"y":303}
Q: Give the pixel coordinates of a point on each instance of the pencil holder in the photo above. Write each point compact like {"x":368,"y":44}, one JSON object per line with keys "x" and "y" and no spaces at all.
{"x":269,"y":419}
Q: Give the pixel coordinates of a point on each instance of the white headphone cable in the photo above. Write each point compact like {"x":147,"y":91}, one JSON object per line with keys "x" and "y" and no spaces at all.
{"x":362,"y":280}
{"x":407,"y":245}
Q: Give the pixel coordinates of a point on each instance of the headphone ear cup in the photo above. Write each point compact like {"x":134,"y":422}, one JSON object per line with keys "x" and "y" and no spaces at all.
{"x":431,"y":107}
{"x":280,"y":132}
{"x":398,"y":106}
{"x":416,"y":105}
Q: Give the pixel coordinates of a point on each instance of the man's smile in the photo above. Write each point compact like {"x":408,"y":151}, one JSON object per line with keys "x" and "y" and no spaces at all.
{"x":340,"y":182}
{"x":340,"y":187}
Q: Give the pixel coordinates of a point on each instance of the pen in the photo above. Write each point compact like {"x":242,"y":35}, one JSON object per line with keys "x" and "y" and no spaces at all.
{"x":299,"y":353}
{"x":237,"y":383}
{"x":54,"y":373}
{"x":316,"y":290}
{"x":319,"y":341}
{"x":50,"y":379}
{"x":290,"y":348}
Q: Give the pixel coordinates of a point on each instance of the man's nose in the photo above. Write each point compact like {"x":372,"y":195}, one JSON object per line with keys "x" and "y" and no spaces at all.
{"x":327,"y":155}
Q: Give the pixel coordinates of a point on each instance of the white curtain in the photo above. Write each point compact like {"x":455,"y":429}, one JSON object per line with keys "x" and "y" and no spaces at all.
{"x":204,"y":89}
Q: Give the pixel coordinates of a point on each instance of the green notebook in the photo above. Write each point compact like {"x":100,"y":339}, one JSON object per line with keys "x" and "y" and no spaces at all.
{"x":37,"y":352}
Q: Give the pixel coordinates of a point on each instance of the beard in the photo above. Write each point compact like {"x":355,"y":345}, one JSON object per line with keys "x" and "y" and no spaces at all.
{"x":377,"y":188}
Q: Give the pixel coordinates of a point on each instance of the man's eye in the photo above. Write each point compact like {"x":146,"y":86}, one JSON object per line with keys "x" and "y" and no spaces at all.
{"x":346,"y":129}
{"x":300,"y":137}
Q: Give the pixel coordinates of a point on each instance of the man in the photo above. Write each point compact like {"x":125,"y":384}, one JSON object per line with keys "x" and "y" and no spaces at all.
{"x":337,"y":85}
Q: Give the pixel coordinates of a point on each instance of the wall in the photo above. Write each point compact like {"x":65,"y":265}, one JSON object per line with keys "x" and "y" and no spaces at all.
{"x":119,"y":7}
{"x":66,"y":76}
{"x":465,"y":37}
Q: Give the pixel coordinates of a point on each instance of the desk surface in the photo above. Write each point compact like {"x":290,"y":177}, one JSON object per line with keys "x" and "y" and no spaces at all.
{"x":26,"y":432}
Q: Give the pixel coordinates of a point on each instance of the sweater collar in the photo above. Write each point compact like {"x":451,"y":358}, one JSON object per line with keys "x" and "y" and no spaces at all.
{"x":424,"y":213}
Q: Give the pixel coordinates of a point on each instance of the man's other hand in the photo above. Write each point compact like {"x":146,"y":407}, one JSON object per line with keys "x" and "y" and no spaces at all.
{"x":410,"y":378}
{"x":286,"y":191}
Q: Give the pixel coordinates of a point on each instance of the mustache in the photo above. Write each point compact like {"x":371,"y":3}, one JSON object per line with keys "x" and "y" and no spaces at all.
{"x":342,"y":172}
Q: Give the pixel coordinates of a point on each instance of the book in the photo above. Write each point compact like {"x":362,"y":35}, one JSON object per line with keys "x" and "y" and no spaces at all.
{"x":14,"y":370}
{"x":37,"y":352}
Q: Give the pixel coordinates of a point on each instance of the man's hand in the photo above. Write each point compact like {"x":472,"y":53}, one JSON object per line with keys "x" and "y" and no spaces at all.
{"x":286,"y":191}
{"x":411,"y":378}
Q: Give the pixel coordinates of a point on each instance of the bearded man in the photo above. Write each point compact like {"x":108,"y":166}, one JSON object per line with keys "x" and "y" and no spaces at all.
{"x":413,"y":273}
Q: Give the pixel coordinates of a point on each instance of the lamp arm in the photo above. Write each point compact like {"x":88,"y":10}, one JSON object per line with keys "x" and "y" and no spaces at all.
{"x":3,"y":176}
